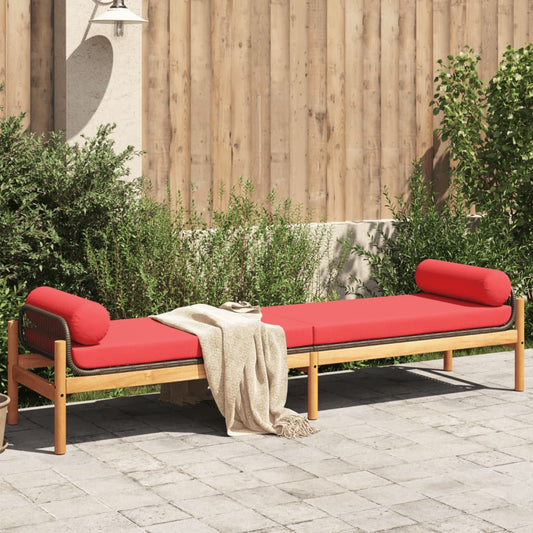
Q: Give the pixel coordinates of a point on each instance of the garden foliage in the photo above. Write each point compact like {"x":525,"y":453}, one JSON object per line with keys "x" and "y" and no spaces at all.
{"x":489,"y":133}
{"x":51,"y":193}
{"x":422,"y":229}
{"x":159,"y":257}
{"x":70,"y":218}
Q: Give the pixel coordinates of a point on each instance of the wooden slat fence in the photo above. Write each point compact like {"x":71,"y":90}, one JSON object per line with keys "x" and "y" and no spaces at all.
{"x":324,"y":101}
{"x":15,"y":57}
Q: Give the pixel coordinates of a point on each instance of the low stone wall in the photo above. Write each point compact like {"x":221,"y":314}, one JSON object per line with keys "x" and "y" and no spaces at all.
{"x":342,"y":234}
{"x":351,"y":233}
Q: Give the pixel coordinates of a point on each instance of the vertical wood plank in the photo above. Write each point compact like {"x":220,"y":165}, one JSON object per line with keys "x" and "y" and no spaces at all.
{"x":221,"y":12}
{"x":425,"y":66}
{"x":201,"y":84}
{"x":389,"y":100}
{"x":42,"y":66}
{"x":240,"y":93}
{"x":371,"y":105}
{"x":280,"y":98}
{"x":474,"y":17}
{"x":521,"y":30}
{"x":145,"y":89}
{"x":260,"y":98}
{"x":317,"y":119}
{"x":354,"y":187}
{"x":458,"y":26}
{"x":489,"y":40}
{"x":407,"y":108}
{"x":3,"y":55}
{"x":336,"y":148}
{"x":179,"y":100}
{"x":156,"y":132}
{"x":441,"y":49}
{"x":505,"y":25}
{"x":441,"y":29}
{"x":530,"y":19}
{"x":298,"y":136}
{"x":18,"y":51}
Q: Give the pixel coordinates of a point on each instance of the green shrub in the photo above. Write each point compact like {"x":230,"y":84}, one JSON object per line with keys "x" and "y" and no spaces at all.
{"x":11,"y":298}
{"x":423,"y":229}
{"x":489,"y":129}
{"x":51,"y":194}
{"x":489,"y":134}
{"x":157,"y":257}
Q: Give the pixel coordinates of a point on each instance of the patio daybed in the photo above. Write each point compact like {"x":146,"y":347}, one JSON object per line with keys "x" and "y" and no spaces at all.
{"x":459,"y":307}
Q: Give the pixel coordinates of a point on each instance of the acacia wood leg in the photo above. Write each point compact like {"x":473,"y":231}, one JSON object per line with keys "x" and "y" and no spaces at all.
{"x":60,"y":398}
{"x":448,"y":360}
{"x":519,"y":347}
{"x":12,"y":385}
{"x":312,"y":387}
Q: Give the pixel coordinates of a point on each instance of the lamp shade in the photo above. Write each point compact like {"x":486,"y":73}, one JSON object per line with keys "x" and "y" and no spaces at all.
{"x":118,"y":12}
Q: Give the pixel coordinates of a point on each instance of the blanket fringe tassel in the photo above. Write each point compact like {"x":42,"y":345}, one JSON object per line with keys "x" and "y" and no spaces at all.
{"x":295,"y":426}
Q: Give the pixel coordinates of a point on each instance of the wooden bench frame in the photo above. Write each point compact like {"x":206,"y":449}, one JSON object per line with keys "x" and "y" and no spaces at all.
{"x":20,"y":367}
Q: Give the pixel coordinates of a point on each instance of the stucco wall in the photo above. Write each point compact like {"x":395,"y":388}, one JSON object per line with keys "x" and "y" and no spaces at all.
{"x":360,"y":233}
{"x":98,"y":76}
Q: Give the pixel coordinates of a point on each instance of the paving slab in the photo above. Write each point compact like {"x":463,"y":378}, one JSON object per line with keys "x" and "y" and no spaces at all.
{"x":406,"y":448}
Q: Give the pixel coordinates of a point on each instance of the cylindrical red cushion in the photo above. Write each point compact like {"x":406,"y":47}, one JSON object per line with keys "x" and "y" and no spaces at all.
{"x":88,"y":321}
{"x":464,"y":282}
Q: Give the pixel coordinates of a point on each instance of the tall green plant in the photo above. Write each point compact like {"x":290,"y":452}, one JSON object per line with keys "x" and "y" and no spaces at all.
{"x":159,"y":257}
{"x":489,"y":129}
{"x":141,"y":264}
{"x":51,"y":193}
{"x":421,"y":230}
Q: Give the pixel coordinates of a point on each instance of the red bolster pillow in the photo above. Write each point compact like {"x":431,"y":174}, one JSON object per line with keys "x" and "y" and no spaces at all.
{"x":88,"y":321}
{"x":463,"y":282}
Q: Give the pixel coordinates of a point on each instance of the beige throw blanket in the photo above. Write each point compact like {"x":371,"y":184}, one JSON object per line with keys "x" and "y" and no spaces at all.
{"x":246,"y":366}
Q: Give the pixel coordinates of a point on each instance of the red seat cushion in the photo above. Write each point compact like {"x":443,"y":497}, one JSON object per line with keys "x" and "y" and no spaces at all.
{"x":390,"y":316}
{"x":145,"y":340}
{"x":457,"y":297}
{"x":465,"y":282}
{"x":297,"y":333}
{"x":135,"y":341}
{"x":88,"y":321}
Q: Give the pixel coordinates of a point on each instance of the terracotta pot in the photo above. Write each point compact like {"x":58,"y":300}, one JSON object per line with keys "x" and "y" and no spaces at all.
{"x":4,"y":401}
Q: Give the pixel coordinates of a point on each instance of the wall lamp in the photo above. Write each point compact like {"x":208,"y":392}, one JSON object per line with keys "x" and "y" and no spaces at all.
{"x":118,"y":14}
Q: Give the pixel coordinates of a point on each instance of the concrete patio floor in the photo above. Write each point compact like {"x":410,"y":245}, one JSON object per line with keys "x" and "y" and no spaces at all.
{"x":405,"y":448}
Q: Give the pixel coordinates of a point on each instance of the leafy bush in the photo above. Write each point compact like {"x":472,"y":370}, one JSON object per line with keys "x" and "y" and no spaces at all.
{"x":490,"y":132}
{"x":490,"y":139}
{"x":422,"y":229}
{"x":157,"y":257}
{"x":51,"y":194}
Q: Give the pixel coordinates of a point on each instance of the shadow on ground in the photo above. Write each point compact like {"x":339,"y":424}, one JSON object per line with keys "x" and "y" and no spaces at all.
{"x":146,"y":414}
